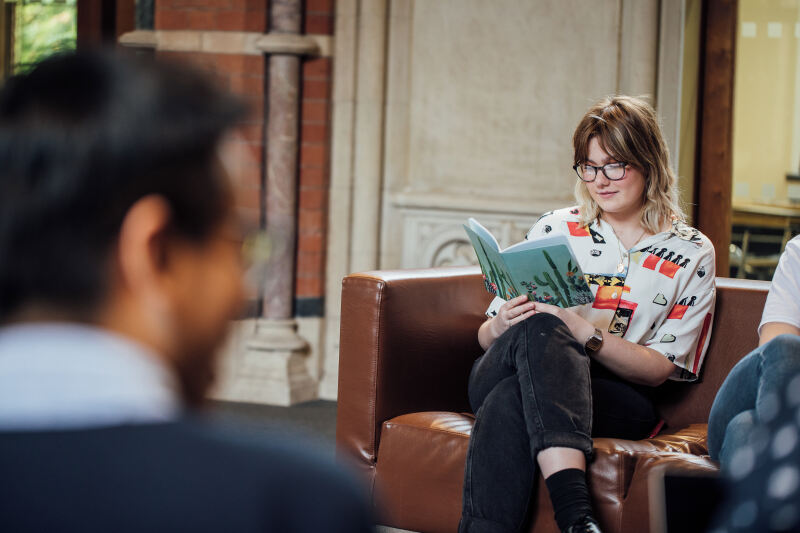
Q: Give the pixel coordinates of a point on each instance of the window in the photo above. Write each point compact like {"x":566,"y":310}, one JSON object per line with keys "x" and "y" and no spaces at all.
{"x":34,"y":29}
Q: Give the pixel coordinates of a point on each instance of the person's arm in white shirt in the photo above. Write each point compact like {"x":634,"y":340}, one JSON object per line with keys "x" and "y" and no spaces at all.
{"x":770,"y":330}
{"x":782,"y":309}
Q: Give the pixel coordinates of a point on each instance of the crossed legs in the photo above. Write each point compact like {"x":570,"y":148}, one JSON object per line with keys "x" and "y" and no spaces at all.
{"x":531,"y":391}
{"x":537,"y":400}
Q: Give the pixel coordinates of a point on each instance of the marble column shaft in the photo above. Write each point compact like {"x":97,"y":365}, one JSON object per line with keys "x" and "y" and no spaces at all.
{"x":281,"y":160}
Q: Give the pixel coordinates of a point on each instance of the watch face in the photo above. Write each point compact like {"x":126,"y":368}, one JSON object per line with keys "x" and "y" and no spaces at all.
{"x":594,"y":342}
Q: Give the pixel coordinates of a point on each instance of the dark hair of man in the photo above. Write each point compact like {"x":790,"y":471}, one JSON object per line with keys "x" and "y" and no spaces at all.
{"x":83,"y":137}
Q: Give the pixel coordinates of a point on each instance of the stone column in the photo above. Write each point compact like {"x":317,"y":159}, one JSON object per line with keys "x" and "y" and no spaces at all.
{"x":280,"y":192}
{"x":275,"y":357}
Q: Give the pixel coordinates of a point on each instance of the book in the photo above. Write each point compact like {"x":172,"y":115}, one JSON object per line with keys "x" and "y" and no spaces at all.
{"x":545,"y":268}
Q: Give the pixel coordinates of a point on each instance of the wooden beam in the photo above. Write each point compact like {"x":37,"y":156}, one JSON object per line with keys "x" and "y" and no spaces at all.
{"x":715,"y":155}
{"x":125,"y":17}
{"x":6,"y":39}
{"x":97,"y":21}
{"x":90,"y":23}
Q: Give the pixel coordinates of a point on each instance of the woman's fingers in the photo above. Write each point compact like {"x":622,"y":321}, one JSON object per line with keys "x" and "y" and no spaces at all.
{"x":522,"y":317}
{"x":514,"y":302}
{"x":547,"y":308}
{"x":518,"y":310}
{"x":512,"y":312}
{"x":521,"y":310}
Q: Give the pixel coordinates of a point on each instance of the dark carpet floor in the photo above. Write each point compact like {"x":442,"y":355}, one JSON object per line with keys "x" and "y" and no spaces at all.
{"x":314,"y":422}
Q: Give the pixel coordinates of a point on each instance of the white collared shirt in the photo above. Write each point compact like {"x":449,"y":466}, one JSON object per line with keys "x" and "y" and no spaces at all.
{"x":71,"y":376}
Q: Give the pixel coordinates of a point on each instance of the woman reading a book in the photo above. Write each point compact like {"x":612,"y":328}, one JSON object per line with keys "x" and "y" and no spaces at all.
{"x":552,"y":378}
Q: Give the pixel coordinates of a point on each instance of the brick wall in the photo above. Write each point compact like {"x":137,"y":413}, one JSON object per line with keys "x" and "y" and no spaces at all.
{"x":245,"y":75}
{"x":317,"y":78}
{"x":314,"y":183}
{"x":319,"y":17}
{"x":222,"y":15}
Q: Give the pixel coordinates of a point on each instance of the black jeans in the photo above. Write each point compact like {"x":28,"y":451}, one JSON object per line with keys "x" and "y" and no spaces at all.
{"x":533,"y":389}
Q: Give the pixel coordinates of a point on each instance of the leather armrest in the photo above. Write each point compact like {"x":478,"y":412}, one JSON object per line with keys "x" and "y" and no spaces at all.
{"x":620,"y":471}
{"x":408,"y":340}
{"x":645,"y":502}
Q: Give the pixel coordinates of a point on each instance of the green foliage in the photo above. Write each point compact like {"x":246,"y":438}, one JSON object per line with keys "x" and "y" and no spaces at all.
{"x":42,"y":29}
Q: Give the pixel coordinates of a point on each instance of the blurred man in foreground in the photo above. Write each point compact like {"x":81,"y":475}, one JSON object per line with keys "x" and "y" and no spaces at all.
{"x":120,"y":270}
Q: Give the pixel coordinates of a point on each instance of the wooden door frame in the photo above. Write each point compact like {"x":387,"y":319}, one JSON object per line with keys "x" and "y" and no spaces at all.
{"x":101,"y":22}
{"x":714,"y":164}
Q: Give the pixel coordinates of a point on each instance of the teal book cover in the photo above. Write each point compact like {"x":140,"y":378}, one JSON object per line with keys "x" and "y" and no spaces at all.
{"x":545,"y":269}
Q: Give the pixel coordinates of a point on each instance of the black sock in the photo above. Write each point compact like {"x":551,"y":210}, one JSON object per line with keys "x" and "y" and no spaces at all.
{"x":570,"y":496}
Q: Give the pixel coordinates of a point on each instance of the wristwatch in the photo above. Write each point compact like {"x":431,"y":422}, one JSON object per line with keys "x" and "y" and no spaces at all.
{"x":594,"y":342}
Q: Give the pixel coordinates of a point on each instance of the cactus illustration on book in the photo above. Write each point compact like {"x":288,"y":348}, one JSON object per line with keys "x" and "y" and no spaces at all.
{"x":501,"y":283}
{"x":559,"y":299}
{"x":545,"y":269}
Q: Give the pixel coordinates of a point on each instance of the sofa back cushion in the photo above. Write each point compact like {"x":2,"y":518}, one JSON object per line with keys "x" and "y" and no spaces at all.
{"x":733,"y":335}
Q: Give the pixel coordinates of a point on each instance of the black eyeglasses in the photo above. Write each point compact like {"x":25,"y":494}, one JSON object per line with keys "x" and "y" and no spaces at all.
{"x":612,"y":171}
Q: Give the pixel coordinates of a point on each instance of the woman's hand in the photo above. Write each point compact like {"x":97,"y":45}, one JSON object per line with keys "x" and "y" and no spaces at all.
{"x":628,"y":360}
{"x":512,"y":312}
{"x":580,"y":328}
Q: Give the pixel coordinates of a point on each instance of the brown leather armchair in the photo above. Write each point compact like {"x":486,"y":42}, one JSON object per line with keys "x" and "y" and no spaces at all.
{"x":408,"y":340}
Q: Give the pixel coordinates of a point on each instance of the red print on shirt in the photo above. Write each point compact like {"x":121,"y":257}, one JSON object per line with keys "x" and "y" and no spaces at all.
{"x":651,"y":261}
{"x":668,"y":268}
{"x":701,"y":342}
{"x":578,"y":230}
{"x":607,"y":297}
{"x":678,"y":311}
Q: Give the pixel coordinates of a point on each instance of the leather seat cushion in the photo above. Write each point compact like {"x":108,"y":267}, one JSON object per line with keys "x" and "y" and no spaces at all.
{"x":421,"y":459}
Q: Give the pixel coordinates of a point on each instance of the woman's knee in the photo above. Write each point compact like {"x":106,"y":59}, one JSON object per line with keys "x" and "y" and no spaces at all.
{"x":546,"y":323}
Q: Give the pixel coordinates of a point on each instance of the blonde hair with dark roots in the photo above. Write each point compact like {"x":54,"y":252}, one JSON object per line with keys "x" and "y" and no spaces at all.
{"x":627,"y":129}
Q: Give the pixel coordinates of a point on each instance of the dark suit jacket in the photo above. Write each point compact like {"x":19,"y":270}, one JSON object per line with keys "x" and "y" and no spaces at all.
{"x":191,"y":475}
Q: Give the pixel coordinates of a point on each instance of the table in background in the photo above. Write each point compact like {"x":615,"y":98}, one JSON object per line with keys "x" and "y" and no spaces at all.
{"x":754,"y":216}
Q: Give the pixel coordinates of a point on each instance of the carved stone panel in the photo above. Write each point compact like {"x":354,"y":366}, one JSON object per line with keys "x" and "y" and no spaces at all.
{"x":434,"y":238}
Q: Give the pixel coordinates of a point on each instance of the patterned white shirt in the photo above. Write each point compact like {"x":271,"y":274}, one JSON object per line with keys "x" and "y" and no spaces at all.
{"x":660,"y":293}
